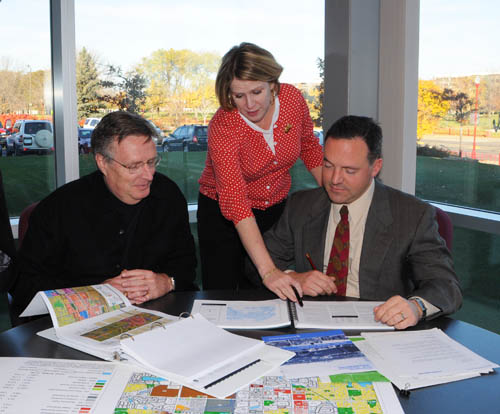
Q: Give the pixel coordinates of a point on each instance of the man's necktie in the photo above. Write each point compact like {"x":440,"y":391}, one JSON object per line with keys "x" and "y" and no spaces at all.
{"x":338,"y":264}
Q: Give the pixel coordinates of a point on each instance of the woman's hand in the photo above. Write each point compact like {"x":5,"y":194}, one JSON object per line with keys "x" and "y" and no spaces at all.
{"x":281,"y":283}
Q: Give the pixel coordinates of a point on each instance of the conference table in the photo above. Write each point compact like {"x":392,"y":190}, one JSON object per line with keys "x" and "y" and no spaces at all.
{"x":475,"y":395}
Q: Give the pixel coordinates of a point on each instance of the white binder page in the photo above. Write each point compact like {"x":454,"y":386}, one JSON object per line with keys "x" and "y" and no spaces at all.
{"x":261,"y":314}
{"x":338,"y":315}
{"x":188,"y":348}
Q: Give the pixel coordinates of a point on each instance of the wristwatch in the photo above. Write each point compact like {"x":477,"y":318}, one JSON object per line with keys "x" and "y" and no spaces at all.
{"x":173,"y":283}
{"x":421,"y":305}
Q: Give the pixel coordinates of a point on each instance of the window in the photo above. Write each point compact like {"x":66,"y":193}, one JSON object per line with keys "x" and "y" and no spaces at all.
{"x":458,"y":156}
{"x":27,"y":161}
{"x":175,"y":69}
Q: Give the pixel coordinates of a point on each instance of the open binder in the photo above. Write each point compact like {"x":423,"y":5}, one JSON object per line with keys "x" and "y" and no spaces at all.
{"x":100,"y":321}
{"x":276,"y":313}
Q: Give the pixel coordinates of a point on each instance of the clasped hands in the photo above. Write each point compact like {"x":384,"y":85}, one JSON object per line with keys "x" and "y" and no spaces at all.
{"x":396,"y":311}
{"x":141,"y":285}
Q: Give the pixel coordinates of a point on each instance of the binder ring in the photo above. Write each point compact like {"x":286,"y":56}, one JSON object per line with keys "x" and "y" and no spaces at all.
{"x":155,"y":324}
{"x":118,"y":357}
{"x":126,"y":335}
{"x":185,"y":315}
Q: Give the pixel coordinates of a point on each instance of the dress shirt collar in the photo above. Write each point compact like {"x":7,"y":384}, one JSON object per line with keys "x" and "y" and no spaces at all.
{"x":358,"y":208}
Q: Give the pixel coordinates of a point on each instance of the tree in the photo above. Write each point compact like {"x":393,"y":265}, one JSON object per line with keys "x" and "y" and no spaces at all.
{"x":318,"y":105}
{"x":431,"y":107}
{"x":88,"y":101}
{"x":129,"y":89}
{"x":461,"y":106}
{"x":175,"y":76}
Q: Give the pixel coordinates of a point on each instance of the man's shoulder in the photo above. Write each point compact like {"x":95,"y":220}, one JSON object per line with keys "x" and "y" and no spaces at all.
{"x":398,"y":196}
{"x":164,"y":187}
{"x":78,"y":188}
{"x":308,"y":198}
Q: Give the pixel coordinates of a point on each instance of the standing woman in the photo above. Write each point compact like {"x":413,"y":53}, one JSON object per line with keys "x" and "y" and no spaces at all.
{"x":260,"y":130}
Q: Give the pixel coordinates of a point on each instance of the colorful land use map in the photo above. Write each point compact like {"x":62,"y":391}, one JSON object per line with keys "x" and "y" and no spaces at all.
{"x":76,"y":304}
{"x":119,"y":325}
{"x":148,"y":394}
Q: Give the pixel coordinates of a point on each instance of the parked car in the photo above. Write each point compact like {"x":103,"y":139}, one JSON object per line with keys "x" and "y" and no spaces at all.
{"x":84,"y":135}
{"x":187,"y":138}
{"x":91,"y":123}
{"x":3,"y":138}
{"x":159,"y":138}
{"x":31,"y":136}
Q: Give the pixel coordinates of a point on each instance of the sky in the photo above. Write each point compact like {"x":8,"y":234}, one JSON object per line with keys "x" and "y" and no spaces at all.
{"x":457,"y":37}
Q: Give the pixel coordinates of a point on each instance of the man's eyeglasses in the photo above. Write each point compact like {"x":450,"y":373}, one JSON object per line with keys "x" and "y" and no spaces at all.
{"x":137,"y":166}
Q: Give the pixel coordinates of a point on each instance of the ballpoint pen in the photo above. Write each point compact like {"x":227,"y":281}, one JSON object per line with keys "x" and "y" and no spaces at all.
{"x":308,"y":257}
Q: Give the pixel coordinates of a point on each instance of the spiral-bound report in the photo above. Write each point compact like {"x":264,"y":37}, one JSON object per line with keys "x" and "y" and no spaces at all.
{"x":267,"y":314}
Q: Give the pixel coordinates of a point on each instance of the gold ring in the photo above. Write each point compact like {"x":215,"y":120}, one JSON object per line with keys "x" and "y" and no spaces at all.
{"x":403,"y":317}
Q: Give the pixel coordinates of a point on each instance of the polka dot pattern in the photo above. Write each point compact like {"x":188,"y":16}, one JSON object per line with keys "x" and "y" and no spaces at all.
{"x":241,"y":171}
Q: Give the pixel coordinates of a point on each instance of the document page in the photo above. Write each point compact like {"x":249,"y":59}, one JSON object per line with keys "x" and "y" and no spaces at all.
{"x":71,"y":305}
{"x":261,"y":314}
{"x":338,"y":315}
{"x":268,"y":394}
{"x":36,"y":385}
{"x":419,"y":358}
{"x":103,"y":332}
{"x":188,"y":348}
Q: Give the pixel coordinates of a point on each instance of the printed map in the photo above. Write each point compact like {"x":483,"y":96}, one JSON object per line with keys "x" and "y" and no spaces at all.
{"x":242,"y":313}
{"x":148,"y":394}
{"x":76,"y":304}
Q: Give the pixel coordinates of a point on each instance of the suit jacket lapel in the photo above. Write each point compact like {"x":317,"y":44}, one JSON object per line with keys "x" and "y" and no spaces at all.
{"x":376,"y":242}
{"x":316,"y":224}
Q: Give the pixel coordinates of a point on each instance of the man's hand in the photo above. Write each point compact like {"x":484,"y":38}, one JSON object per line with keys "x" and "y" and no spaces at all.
{"x":281,"y":283}
{"x":398,"y":312}
{"x":141,"y":285}
{"x":315,"y":283}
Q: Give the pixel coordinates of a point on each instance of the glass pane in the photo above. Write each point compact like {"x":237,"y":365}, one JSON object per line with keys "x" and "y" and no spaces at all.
{"x":458,"y":151}
{"x":27,"y":162}
{"x":477,"y":262}
{"x":166,"y":70}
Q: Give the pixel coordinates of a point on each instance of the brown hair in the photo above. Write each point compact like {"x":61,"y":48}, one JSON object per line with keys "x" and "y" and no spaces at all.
{"x":246,"y":62}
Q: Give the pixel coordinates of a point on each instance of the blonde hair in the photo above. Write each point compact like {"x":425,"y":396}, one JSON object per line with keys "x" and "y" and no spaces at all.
{"x":246,"y":62}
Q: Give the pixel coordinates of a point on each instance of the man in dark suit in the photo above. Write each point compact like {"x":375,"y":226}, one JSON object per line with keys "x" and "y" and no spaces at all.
{"x":395,"y":253}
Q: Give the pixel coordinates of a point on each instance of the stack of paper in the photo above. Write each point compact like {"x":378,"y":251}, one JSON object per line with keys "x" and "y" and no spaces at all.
{"x":196,"y":353}
{"x":416,"y":359}
{"x":101,"y":321}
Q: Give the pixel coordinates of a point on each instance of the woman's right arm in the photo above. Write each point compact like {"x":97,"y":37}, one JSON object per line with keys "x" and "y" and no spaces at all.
{"x":274,"y":279}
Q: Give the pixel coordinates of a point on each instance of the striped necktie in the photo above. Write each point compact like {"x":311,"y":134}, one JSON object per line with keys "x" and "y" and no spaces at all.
{"x":338,"y":264}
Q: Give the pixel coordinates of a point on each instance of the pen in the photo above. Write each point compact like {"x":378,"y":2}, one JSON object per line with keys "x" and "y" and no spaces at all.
{"x":344,"y":316}
{"x":308,"y":257}
{"x":299,"y":299}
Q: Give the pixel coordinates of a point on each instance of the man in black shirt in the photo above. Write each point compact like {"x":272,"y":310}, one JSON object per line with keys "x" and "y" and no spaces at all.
{"x":124,"y":224}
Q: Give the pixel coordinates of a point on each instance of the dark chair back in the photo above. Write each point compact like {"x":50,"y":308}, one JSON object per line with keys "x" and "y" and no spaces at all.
{"x":7,"y":245}
{"x":445,"y":227}
{"x":24,"y":222}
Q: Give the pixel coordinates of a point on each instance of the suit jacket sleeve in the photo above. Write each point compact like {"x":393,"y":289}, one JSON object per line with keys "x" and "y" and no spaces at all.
{"x":432,"y":266}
